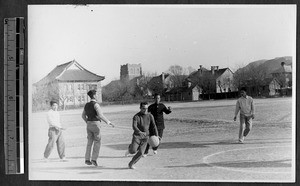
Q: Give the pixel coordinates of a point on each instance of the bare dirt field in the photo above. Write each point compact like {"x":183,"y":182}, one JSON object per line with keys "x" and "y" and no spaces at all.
{"x":199,"y":145}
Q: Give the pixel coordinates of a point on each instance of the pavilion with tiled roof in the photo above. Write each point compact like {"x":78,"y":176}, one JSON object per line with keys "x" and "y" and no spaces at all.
{"x":71,"y":82}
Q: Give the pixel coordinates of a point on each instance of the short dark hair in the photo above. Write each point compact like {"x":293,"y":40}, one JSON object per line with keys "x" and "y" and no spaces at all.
{"x":143,"y":103}
{"x":53,"y":101}
{"x":91,"y":93}
{"x":156,"y":94}
{"x":243,"y":89}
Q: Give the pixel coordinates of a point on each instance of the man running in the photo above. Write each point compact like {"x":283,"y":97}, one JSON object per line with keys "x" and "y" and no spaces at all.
{"x":142,"y":123}
{"x":157,"y":109}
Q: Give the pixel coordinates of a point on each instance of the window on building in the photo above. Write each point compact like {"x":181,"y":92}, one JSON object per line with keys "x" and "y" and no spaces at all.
{"x":78,"y":86}
{"x":82,"y":86}
{"x":79,"y":98}
{"x":82,"y":98}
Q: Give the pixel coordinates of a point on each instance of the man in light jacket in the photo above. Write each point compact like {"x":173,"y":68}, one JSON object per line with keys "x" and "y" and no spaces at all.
{"x":245,"y":106}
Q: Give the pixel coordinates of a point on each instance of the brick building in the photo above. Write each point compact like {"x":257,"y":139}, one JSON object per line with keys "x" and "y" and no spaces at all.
{"x":68,"y":83}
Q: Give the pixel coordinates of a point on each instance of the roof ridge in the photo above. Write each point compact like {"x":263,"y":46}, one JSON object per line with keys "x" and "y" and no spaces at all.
{"x":70,"y":63}
{"x":65,"y":63}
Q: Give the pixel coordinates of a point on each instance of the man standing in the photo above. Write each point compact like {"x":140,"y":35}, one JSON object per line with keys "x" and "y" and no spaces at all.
{"x":142,"y":123}
{"x":54,"y":132}
{"x":157,"y":109}
{"x":245,"y":106}
{"x":92,"y":115}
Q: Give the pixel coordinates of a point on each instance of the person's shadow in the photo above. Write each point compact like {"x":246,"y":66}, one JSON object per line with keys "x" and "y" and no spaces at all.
{"x":200,"y":144}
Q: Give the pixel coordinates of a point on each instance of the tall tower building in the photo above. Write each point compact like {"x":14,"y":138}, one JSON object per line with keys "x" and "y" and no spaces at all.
{"x":130,"y":71}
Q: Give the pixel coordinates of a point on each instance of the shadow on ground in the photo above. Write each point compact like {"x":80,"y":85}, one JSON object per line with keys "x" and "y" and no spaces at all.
{"x":201,"y":144}
{"x":83,"y":167}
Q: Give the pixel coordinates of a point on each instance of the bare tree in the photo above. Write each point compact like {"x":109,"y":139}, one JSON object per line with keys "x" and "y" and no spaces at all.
{"x":145,"y":85}
{"x":207,"y":83}
{"x":178,"y":75}
{"x":253,"y":76}
{"x":189,"y":70}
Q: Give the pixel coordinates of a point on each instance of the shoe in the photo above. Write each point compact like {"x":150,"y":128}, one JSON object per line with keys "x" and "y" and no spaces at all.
{"x":127,"y":153}
{"x":45,"y":160}
{"x":241,"y":140}
{"x":63,"y":159}
{"x":131,"y":166}
{"x":94,"y":162}
{"x":155,"y":152}
{"x":145,"y":155}
{"x":88,"y":162}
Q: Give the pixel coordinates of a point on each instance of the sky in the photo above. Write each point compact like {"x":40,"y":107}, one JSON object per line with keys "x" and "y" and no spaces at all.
{"x":103,"y":37}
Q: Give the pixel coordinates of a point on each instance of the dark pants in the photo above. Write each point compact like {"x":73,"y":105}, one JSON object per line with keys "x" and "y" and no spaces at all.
{"x":137,"y":144}
{"x":160,"y":134}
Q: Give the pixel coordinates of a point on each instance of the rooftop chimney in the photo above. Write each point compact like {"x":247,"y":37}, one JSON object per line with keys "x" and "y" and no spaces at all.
{"x":212,"y":68}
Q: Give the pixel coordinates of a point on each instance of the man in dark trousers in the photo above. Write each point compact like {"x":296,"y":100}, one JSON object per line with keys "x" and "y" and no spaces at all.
{"x":92,"y":115}
{"x":157,"y":109}
{"x":142,"y":123}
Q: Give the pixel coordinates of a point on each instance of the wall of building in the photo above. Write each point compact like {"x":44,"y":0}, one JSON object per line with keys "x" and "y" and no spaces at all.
{"x":75,"y":93}
{"x":226,"y":81}
{"x":130,"y":71}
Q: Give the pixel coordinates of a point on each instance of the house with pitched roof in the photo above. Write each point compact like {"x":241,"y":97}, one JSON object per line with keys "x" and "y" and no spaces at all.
{"x":160,"y":84}
{"x":187,"y":92}
{"x":223,"y":78}
{"x":69,"y":83}
{"x":284,"y":75}
{"x":203,"y":82}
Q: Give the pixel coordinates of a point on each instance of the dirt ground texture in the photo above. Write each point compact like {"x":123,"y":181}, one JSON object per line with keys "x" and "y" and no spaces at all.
{"x":199,"y":145}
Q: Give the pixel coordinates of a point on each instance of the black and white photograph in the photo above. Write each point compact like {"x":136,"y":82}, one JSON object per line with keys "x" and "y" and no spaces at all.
{"x":162,"y":93}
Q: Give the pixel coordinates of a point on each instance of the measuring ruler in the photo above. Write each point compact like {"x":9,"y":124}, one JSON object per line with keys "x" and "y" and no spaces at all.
{"x":14,"y":38}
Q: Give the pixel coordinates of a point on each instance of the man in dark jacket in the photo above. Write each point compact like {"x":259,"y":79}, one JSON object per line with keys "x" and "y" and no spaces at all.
{"x":141,"y":124}
{"x":92,"y":115}
{"x":157,"y":109}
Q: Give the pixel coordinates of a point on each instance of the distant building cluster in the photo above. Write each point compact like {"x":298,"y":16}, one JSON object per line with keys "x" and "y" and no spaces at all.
{"x":70,"y":82}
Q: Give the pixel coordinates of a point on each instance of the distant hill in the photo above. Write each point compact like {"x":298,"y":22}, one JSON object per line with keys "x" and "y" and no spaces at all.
{"x":270,"y":65}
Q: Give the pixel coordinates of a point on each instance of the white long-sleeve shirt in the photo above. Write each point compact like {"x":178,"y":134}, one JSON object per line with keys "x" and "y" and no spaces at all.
{"x":245,"y":106}
{"x":53,"y":119}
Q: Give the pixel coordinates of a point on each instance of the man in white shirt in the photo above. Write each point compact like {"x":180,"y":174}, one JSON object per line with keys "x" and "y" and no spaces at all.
{"x":245,"y":106}
{"x":92,"y":115}
{"x":54,"y":133}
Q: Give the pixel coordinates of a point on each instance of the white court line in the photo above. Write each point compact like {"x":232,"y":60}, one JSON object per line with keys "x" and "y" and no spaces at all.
{"x":205,"y":160}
